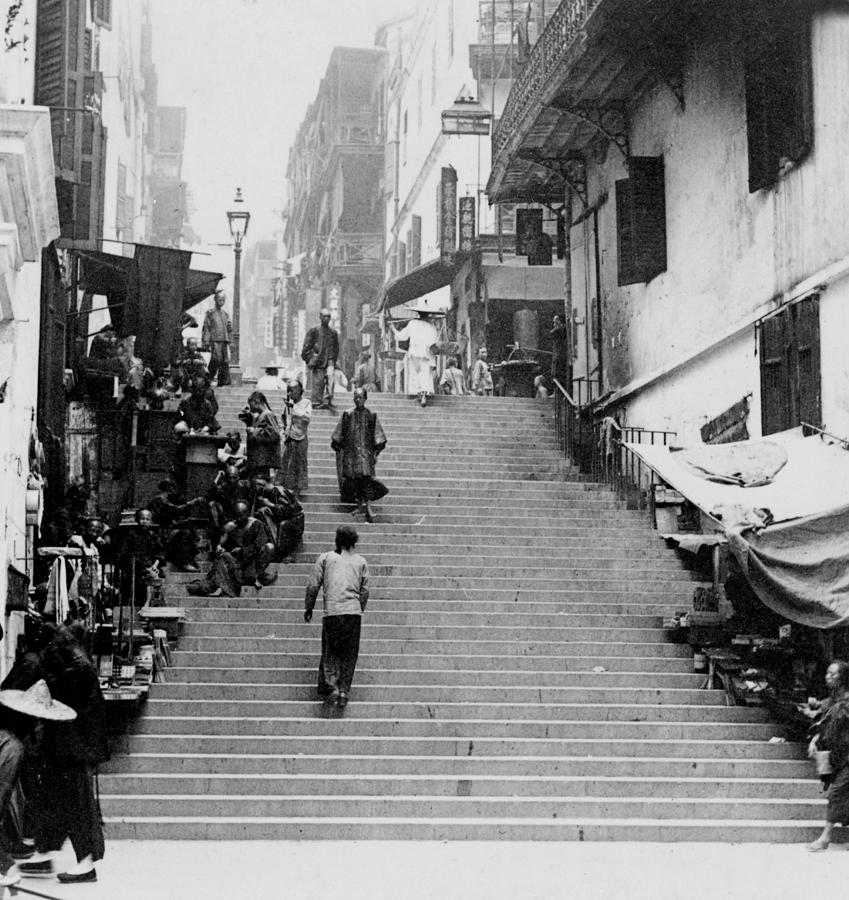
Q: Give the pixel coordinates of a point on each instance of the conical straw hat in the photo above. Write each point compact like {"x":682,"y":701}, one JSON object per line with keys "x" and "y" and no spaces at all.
{"x":37,"y":702}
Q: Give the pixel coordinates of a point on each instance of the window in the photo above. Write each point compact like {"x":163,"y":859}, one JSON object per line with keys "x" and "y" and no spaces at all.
{"x":779,"y":103}
{"x":450,"y":29}
{"x":641,"y":220}
{"x":416,"y":242}
{"x":101,"y":12}
{"x":790,"y":367}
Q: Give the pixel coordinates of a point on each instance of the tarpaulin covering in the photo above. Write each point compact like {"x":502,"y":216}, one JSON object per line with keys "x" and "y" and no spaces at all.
{"x":791,"y":535}
{"x":799,"y":568}
{"x":147,"y":294}
{"x":161,"y":274}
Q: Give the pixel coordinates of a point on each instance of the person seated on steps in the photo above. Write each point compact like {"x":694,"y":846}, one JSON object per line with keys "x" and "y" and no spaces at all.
{"x":188,"y":366}
{"x":281,"y":514}
{"x":233,"y":452}
{"x":197,"y":411}
{"x":228,"y":489}
{"x":241,"y":559}
{"x":172,"y":519}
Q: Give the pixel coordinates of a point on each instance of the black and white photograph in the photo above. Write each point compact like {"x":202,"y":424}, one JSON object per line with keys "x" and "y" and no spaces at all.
{"x":424,"y":449}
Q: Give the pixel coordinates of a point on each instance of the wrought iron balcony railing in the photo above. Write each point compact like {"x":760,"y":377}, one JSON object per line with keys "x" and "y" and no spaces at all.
{"x":559,"y":34}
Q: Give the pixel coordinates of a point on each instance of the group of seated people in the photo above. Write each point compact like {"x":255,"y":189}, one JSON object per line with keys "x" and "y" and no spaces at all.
{"x":248,"y":522}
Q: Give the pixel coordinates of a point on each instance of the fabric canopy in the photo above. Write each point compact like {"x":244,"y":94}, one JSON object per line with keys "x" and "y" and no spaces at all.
{"x":147,"y":294}
{"x":790,"y":534}
{"x":419,"y":281}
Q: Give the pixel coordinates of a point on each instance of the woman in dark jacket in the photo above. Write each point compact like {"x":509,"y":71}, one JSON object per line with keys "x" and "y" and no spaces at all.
{"x":66,"y":802}
{"x":833,"y":733}
{"x":263,"y":433}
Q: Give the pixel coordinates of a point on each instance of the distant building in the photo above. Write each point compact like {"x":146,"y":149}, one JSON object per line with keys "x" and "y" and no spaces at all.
{"x":334,"y":221}
{"x":167,"y":188}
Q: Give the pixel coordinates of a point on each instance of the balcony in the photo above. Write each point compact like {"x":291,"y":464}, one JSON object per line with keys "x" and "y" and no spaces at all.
{"x":593,"y":56}
{"x":347,"y":253}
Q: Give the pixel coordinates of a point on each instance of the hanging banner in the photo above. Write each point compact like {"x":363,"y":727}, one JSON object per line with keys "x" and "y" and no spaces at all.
{"x":448,"y":213}
{"x":467,"y":224}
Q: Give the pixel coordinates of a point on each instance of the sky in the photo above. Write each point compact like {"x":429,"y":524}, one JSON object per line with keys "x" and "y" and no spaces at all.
{"x":246,"y":71}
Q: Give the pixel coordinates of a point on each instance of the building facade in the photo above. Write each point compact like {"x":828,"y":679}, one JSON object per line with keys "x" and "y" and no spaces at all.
{"x":334,"y":220}
{"x":29,"y":224}
{"x":701,"y":152}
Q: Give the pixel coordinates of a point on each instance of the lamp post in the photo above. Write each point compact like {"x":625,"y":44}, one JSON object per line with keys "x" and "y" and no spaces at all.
{"x":468,"y":116}
{"x":238,"y":219}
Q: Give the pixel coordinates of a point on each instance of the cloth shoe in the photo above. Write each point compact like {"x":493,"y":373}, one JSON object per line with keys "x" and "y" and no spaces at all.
{"x":81,"y":877}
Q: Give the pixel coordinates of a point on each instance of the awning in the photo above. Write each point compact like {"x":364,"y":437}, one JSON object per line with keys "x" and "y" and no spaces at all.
{"x":420,"y":281}
{"x":147,"y":294}
{"x":789,"y":529}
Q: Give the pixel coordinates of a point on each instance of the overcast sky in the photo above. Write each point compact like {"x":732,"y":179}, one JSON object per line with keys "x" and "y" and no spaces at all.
{"x":246,"y":70}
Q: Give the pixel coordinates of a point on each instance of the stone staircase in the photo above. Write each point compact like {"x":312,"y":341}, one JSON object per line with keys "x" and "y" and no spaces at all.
{"x":514,"y":681}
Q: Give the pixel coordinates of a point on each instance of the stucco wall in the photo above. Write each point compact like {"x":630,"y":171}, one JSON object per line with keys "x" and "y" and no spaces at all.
{"x":729,"y":252}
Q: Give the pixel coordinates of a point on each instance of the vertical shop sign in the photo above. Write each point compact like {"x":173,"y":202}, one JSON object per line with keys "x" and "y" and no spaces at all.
{"x":448,"y":213}
{"x":467,"y":224}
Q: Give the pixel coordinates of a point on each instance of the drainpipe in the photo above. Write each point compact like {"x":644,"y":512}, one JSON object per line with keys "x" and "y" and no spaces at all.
{"x":600,"y":335}
{"x":567,"y":274}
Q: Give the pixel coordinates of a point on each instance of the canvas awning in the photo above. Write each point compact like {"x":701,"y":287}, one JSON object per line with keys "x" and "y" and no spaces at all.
{"x":419,"y":281}
{"x":783,"y":502}
{"x":147,"y":294}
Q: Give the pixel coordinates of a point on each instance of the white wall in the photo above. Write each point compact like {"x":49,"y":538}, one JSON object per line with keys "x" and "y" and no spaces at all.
{"x":731,"y":255}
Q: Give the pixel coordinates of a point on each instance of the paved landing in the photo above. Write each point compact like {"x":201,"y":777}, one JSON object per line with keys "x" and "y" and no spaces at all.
{"x":408,"y":870}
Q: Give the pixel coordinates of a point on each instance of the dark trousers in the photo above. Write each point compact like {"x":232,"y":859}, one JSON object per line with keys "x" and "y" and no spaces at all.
{"x":67,"y":808}
{"x":340,"y":647}
{"x":219,"y":363}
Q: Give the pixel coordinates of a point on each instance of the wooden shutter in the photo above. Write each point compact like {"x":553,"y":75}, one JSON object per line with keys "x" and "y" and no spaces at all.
{"x":626,"y":238}
{"x":641,"y":220}
{"x":775,"y":379}
{"x":101,"y":12}
{"x":527,"y":221}
{"x":417,"y":241}
{"x":649,"y":214}
{"x":808,"y":393}
{"x":402,"y":258}
{"x":779,"y":86}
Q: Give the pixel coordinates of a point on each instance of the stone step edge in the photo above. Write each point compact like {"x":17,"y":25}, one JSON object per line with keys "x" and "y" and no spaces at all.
{"x":476,"y":777}
{"x":478,"y":760}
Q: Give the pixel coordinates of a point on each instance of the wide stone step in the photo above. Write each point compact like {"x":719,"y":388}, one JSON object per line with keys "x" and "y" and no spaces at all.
{"x":257,"y":621}
{"x":208,"y":682}
{"x":261,"y":649}
{"x":436,"y":705}
{"x":323,"y":742}
{"x":365,"y":785}
{"x":378,"y":630}
{"x":470,"y":729}
{"x":218,"y":828}
{"x":533,"y":599}
{"x":347,"y":764}
{"x":538,"y":664}
{"x":331,"y":807}
{"x":289,"y":576}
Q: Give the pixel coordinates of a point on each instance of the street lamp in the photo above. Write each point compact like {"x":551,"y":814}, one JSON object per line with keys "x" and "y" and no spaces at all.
{"x":238,"y":219}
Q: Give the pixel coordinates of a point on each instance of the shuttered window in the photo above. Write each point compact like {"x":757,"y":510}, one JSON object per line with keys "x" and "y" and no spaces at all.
{"x":416,"y":249}
{"x":641,"y":220}
{"x":779,"y":93}
{"x":528,"y":222}
{"x":790,"y":367}
{"x":101,"y":12}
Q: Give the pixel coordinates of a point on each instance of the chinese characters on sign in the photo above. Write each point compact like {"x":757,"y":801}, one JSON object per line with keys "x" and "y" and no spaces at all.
{"x":467,"y":224}
{"x":448,"y":213}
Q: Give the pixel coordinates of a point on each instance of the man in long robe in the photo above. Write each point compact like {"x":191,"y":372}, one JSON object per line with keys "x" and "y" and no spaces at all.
{"x":358,"y":440}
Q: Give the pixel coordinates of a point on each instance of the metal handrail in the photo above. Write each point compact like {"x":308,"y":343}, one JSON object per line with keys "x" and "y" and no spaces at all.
{"x":844,"y":442}
{"x":599,"y":449}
